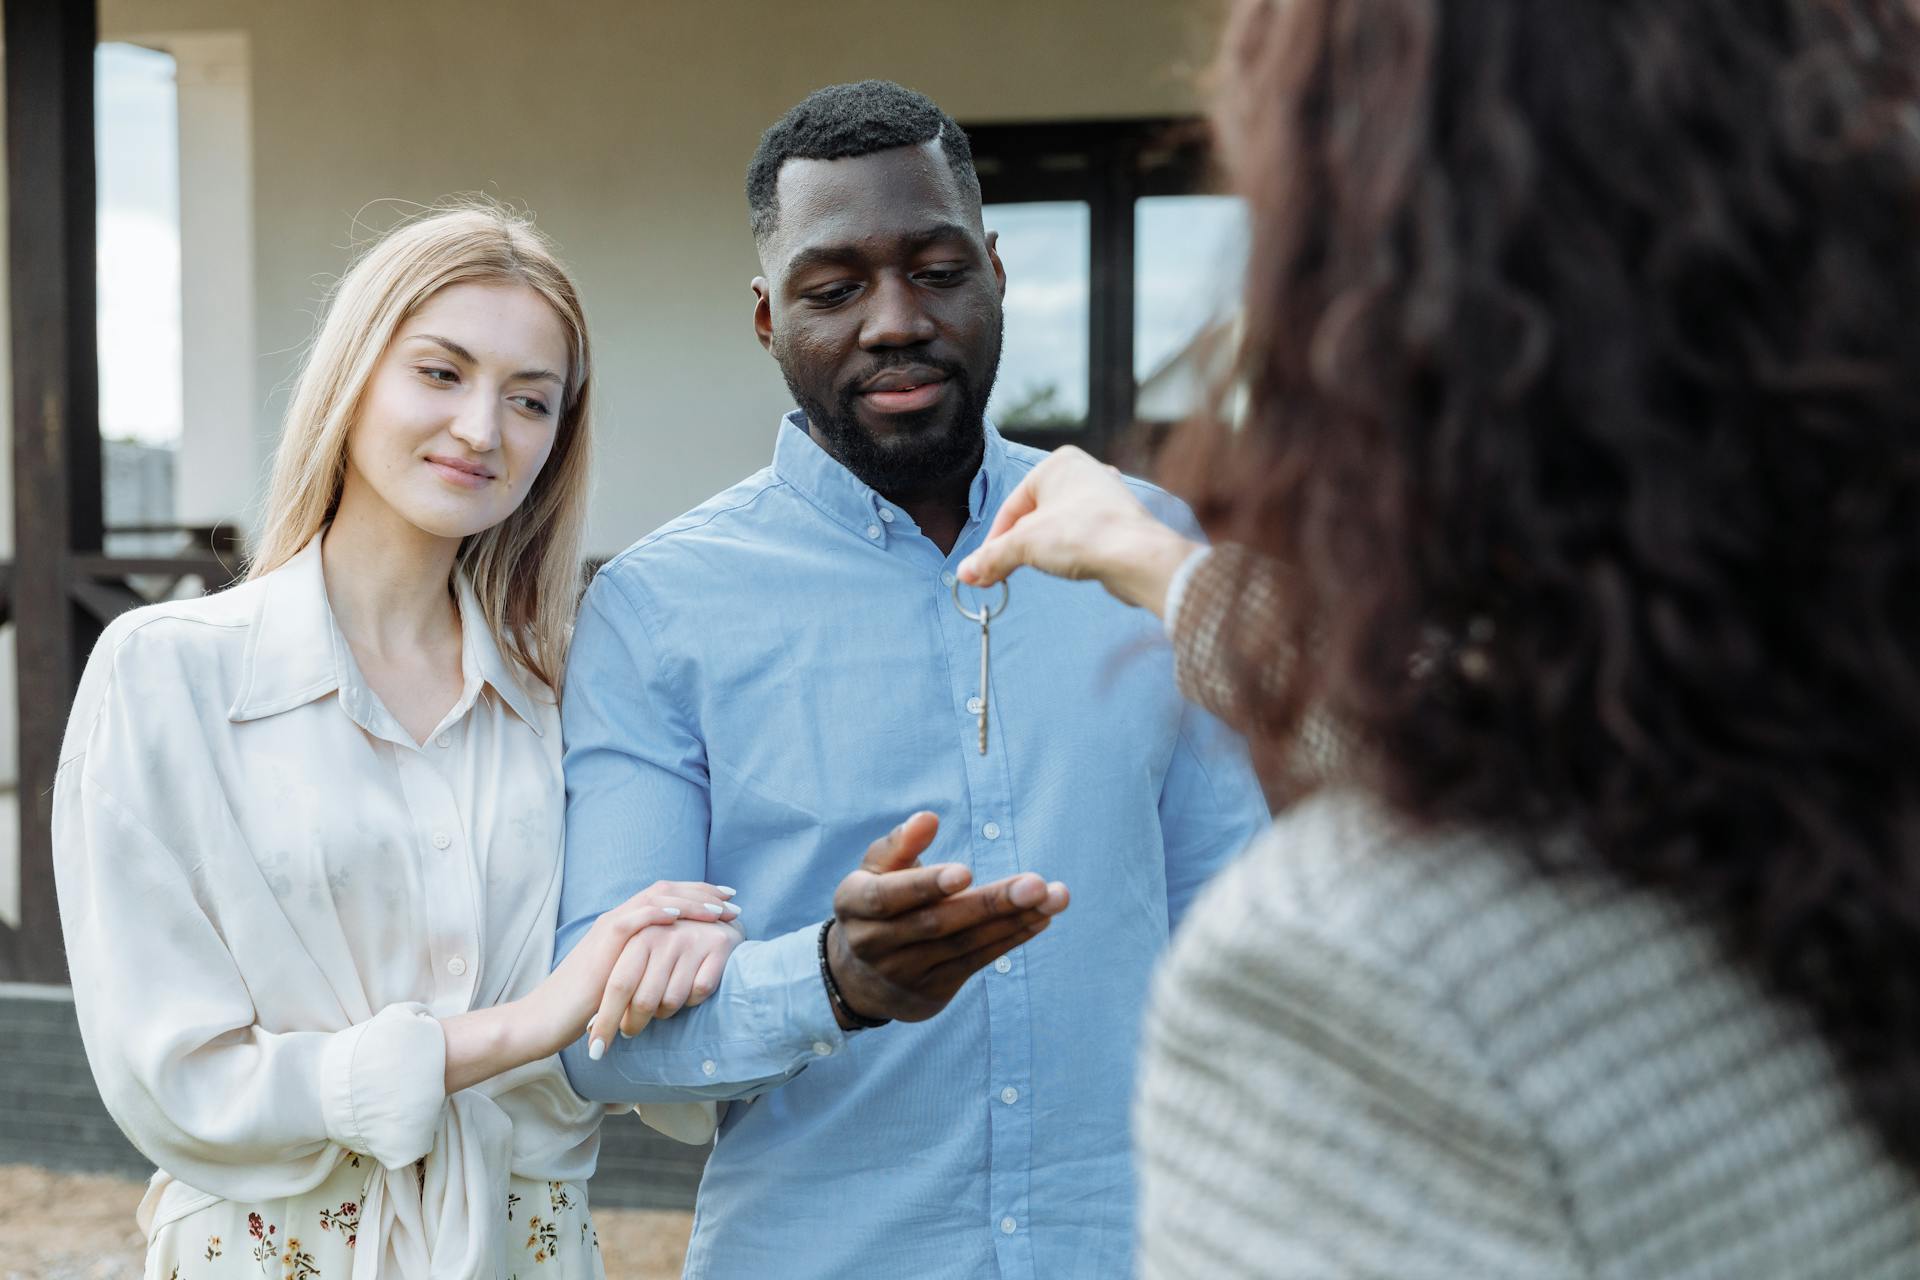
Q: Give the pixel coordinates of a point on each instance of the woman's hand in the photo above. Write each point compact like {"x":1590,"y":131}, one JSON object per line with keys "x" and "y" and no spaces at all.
{"x":485,"y":1042}
{"x":1074,"y":517}
{"x":660,"y":973}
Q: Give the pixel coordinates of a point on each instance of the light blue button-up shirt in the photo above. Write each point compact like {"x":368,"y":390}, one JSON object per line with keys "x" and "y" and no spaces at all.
{"x":756,"y":692}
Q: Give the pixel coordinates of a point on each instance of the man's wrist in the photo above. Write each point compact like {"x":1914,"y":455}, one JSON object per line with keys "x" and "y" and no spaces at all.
{"x":843,"y":1013}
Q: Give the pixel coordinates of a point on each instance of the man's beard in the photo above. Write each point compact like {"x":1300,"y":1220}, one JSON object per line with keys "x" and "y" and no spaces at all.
{"x":917,"y":457}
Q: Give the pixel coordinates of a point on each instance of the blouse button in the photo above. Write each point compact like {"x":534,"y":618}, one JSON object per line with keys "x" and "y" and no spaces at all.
{"x":441,"y":839}
{"x":709,"y":1067}
{"x":444,"y":740}
{"x":456,"y":966}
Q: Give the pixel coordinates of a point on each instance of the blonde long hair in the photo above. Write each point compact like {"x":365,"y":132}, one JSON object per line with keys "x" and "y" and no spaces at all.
{"x":526,"y":569}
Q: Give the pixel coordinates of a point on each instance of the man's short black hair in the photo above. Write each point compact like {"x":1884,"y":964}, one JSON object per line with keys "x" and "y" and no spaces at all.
{"x":842,"y":121}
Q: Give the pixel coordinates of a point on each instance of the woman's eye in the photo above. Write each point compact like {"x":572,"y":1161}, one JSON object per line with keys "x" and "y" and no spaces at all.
{"x":534,"y":404}
{"x":434,"y":373}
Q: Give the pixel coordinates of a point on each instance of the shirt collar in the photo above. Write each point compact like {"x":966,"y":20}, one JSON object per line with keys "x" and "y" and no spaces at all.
{"x":824,"y":481}
{"x":480,"y":656}
{"x":296,"y":654}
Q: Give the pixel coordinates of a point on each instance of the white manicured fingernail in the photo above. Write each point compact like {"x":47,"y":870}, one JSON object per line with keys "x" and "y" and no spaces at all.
{"x":597,"y":1049}
{"x":713,"y":907}
{"x":670,"y":911}
{"x":732,"y":910}
{"x":724,"y":891}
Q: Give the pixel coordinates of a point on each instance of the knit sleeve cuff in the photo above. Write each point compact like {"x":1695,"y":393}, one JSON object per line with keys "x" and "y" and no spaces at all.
{"x":1177,"y":586}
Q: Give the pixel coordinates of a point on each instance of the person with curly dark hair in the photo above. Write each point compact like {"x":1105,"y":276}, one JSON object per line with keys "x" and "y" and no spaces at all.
{"x":1570,"y":551}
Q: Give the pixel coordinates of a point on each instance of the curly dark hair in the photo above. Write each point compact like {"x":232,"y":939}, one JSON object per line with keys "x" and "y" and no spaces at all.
{"x":842,"y":121}
{"x":1581,"y":376}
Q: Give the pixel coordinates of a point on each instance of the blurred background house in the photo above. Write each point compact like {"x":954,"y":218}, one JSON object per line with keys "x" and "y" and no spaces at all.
{"x":187,"y":176}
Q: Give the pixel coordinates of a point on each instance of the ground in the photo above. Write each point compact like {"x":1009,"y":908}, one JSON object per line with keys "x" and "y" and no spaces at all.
{"x":56,"y":1226}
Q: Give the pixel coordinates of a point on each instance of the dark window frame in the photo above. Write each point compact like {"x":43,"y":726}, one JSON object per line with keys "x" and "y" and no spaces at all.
{"x":1108,"y":164}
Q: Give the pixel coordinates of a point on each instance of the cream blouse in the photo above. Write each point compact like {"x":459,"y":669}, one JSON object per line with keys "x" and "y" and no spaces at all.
{"x":270,"y":892}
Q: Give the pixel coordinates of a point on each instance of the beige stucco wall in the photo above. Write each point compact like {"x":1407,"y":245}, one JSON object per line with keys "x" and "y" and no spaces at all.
{"x":627,"y":127}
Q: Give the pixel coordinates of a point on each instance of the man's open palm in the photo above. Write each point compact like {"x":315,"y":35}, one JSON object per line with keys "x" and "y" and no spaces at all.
{"x":906,"y":936}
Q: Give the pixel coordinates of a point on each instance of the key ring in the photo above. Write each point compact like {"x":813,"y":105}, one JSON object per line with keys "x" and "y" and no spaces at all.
{"x":985,"y":615}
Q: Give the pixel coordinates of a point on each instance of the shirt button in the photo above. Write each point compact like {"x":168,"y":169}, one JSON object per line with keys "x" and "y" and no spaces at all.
{"x":822,"y":1048}
{"x":886,"y":515}
{"x":456,"y":966}
{"x":441,"y":839}
{"x":873,"y":531}
{"x":1009,"y":1095}
{"x":1008,"y":1226}
{"x":444,"y":740}
{"x":947,"y":579}
{"x":973,"y":706}
{"x":1003,"y":965}
{"x":991,"y":831}
{"x":709,"y":1067}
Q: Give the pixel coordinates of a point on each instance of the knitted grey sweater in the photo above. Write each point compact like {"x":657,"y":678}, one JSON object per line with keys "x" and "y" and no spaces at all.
{"x":1372,"y":1054}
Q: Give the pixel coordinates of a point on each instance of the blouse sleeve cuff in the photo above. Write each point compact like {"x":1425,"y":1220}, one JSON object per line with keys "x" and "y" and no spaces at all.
{"x":693,"y":1123}
{"x":383,"y":1085}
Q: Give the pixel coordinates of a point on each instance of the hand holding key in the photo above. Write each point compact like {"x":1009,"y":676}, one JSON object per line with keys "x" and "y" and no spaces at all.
{"x":905,"y":937}
{"x":1075,"y":517}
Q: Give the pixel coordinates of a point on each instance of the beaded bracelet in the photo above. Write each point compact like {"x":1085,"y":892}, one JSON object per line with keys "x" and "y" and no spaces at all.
{"x":834,"y":998}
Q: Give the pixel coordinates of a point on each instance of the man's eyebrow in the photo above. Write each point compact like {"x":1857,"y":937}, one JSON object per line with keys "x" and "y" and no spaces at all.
{"x":938,"y":232}
{"x":835,"y":255}
{"x":461,"y":353}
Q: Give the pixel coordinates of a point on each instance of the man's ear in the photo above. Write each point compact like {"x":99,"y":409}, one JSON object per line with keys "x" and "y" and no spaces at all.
{"x":993,"y":256}
{"x":763,"y":312}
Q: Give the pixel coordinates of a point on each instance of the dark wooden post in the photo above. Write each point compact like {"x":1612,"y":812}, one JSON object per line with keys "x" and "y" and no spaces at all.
{"x":56,"y":417}
{"x":1110,"y":344}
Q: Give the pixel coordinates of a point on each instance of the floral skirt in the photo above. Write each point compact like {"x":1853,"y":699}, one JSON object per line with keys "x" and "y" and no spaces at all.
{"x":311,"y":1236}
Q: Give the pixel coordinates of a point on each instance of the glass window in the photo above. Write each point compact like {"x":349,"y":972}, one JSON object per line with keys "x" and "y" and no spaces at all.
{"x":1043,"y":366}
{"x":1189,"y":255}
{"x":138,"y":189}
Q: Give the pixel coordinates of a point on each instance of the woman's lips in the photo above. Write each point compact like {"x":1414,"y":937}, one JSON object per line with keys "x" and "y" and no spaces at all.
{"x":455,"y":474}
{"x":906,"y":399}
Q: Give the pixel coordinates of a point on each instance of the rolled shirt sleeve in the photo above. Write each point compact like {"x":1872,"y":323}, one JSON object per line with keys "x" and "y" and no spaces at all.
{"x":638,"y":811}
{"x":767,"y":1022}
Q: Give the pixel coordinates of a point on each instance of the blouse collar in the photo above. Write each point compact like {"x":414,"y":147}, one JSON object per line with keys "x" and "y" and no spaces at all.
{"x":296,"y":654}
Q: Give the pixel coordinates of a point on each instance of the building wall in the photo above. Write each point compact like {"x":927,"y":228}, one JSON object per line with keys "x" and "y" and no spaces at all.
{"x":51,"y":1115}
{"x":626,"y":126}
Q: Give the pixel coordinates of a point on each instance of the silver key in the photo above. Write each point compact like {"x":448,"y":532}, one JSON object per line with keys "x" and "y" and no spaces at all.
{"x":984,"y":617}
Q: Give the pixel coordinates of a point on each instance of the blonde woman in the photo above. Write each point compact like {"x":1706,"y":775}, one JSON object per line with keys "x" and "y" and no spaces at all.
{"x":308,"y":831}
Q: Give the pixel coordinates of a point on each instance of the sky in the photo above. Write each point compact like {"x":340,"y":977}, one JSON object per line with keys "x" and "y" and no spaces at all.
{"x":137,"y":170}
